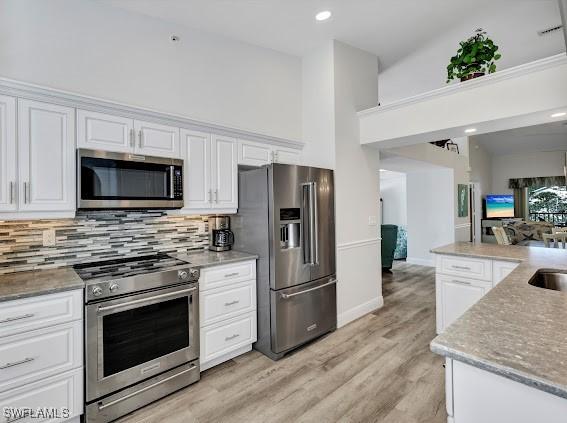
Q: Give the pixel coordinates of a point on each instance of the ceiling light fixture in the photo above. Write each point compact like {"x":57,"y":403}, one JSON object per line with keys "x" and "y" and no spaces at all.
{"x":470,"y":130}
{"x":323,"y":16}
{"x":559,"y":114}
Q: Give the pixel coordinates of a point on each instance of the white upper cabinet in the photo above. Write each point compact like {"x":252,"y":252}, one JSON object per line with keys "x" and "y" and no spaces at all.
{"x":154,"y":139}
{"x":224,"y":168}
{"x":46,"y":152}
{"x":8,"y":176}
{"x":287,"y":155}
{"x":99,"y":131}
{"x":211,"y":173}
{"x":254,"y":154}
{"x":197,"y":178}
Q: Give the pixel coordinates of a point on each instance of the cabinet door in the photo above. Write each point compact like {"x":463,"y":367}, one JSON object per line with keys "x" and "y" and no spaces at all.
{"x":46,"y":156}
{"x":154,"y":139}
{"x":197,"y":169}
{"x":501,"y":269}
{"x":287,"y":155}
{"x":458,"y":295}
{"x":254,"y":154}
{"x":99,"y":131}
{"x":8,"y":154}
{"x":224,"y":173}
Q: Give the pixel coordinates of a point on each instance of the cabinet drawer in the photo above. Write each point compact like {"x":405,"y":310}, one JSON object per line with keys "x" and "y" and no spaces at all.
{"x":35,"y":355}
{"x":41,"y":311}
{"x":221,"y":338}
{"x":224,"y":303}
{"x":501,"y":269}
{"x":58,"y":393}
{"x":467,"y":267}
{"x":217,"y":276}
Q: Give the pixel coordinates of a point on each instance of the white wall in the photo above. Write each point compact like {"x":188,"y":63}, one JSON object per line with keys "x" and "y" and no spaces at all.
{"x":480,"y":162}
{"x":319,"y":107}
{"x":512,"y":26}
{"x":431,"y":220}
{"x":356,"y":186}
{"x":394,"y":198}
{"x":98,"y":50}
{"x":526,"y":165}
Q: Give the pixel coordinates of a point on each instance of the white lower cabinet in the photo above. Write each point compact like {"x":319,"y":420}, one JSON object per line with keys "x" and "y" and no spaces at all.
{"x":60,"y":395}
{"x":501,"y":269}
{"x":227,"y":308}
{"x":475,"y":395}
{"x":41,"y":357}
{"x":457,"y":295}
{"x":461,"y":281}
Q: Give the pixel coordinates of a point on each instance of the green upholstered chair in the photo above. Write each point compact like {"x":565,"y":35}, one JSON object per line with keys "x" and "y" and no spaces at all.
{"x":389,"y":240}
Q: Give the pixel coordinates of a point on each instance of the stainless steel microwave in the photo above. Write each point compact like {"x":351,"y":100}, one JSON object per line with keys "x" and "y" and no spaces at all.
{"x":107,"y":180}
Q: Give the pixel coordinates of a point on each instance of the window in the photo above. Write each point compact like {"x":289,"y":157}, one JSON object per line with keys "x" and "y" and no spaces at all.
{"x":548,"y":204}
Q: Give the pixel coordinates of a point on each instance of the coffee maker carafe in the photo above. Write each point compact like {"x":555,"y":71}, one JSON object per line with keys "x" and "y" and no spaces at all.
{"x":221,"y":237}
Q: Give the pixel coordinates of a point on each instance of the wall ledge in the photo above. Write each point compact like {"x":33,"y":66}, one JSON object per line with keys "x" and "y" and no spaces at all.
{"x":30,"y":91}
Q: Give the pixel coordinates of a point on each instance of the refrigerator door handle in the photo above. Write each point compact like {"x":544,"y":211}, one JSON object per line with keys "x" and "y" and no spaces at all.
{"x":314,"y":225}
{"x":286,"y":296}
{"x":309,"y":223}
{"x":305,"y":222}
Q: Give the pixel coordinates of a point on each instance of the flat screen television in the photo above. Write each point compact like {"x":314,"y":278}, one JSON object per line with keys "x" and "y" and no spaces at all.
{"x":498,"y":206}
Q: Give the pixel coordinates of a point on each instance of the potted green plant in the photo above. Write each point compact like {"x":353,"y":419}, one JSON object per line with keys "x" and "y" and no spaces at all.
{"x":475,"y":57}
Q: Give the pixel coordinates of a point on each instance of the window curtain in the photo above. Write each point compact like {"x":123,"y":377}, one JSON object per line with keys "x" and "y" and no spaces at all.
{"x":521,"y":206}
{"x":539,"y":182}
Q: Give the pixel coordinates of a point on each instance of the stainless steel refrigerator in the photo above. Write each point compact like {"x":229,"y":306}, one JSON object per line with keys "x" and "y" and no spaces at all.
{"x":286,"y":215}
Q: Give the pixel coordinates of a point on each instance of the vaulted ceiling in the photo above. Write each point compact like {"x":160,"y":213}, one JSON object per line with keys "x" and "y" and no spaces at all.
{"x":391,"y":29}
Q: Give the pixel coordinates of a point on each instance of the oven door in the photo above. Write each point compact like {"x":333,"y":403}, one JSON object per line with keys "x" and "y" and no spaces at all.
{"x":136,"y":337}
{"x":119,"y":180}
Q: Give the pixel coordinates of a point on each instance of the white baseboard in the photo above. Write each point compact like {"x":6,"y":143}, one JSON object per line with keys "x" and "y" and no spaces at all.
{"x":420,"y":261}
{"x":216,"y":361}
{"x":359,"y":311}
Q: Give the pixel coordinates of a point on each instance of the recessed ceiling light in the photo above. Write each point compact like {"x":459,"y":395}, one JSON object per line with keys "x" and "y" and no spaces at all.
{"x":323,"y":16}
{"x":559,"y":114}
{"x":470,"y":130}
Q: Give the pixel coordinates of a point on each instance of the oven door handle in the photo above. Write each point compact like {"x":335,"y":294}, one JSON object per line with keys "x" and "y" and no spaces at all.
{"x":100,"y":309}
{"x":153,"y":385}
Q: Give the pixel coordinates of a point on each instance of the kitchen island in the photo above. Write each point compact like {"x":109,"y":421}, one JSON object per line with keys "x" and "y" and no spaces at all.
{"x":507,"y":354}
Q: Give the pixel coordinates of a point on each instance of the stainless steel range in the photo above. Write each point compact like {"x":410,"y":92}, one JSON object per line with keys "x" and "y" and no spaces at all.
{"x":141,"y":332}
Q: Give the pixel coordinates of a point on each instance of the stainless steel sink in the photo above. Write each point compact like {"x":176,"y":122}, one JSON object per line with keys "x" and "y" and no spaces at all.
{"x":550,"y":279}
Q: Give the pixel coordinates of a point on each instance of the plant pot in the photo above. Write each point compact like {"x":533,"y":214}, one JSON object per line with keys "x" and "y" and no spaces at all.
{"x":472,"y":76}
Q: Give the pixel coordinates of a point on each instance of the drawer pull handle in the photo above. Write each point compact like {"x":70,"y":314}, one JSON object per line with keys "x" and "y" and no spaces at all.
{"x":461,"y":282}
{"x":230,"y":275}
{"x":230,"y":338}
{"x":232,"y":303}
{"x":13,"y":319}
{"x":461,"y":267}
{"x":17,"y":363}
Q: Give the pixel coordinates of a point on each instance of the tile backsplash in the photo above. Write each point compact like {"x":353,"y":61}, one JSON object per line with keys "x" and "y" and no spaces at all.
{"x":95,"y":236}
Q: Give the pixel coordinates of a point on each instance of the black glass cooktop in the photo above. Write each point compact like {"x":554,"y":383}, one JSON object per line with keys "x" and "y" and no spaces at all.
{"x":122,"y":268}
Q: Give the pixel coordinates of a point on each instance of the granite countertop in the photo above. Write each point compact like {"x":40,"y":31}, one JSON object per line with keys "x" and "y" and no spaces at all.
{"x":516,"y":330}
{"x":211,"y":258}
{"x":18,"y":285}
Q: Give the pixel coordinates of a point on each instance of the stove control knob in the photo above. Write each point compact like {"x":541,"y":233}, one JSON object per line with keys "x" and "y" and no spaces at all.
{"x":97,"y":291}
{"x":183,"y":275}
{"x":113,"y":287}
{"x":194,"y":273}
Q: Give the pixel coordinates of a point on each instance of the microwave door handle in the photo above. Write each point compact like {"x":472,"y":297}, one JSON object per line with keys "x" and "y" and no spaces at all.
{"x":171,"y":182}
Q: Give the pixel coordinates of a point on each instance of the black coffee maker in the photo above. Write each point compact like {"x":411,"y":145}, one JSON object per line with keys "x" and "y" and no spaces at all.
{"x":221,"y":237}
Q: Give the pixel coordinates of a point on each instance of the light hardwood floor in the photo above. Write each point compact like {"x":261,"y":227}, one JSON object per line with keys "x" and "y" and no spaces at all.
{"x":375,"y":369}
